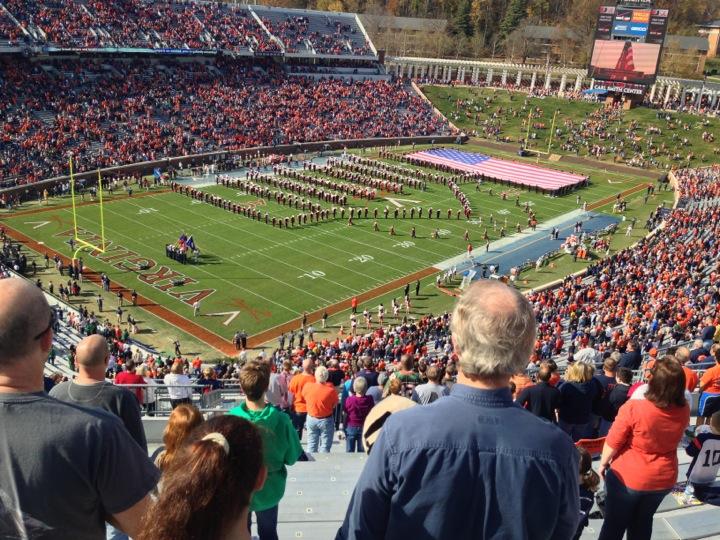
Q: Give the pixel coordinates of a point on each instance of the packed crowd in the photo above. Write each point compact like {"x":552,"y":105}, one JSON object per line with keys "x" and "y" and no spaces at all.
{"x":117,"y":113}
{"x":662,"y":291}
{"x":214,"y":474}
{"x":166,"y":24}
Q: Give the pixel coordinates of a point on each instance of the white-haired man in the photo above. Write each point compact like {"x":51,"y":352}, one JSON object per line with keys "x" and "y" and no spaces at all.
{"x":321,"y":398}
{"x":472,"y":465}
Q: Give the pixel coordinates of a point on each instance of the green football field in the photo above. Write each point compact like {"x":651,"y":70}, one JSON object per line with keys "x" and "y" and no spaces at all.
{"x":253,"y":276}
{"x":633,"y":133}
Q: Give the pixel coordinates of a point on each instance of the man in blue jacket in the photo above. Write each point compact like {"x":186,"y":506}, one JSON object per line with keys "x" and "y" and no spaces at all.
{"x":474,"y":464}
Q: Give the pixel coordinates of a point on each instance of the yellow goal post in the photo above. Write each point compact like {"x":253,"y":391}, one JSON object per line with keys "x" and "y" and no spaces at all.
{"x":81,"y":243}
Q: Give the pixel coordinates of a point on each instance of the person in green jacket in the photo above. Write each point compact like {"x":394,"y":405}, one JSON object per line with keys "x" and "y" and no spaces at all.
{"x":281,"y":446}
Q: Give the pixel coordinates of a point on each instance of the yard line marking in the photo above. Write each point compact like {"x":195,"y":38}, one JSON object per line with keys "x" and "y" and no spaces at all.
{"x":212,"y":276}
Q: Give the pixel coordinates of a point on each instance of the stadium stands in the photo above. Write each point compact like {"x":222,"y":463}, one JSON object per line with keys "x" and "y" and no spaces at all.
{"x":114,"y":113}
{"x":173,"y":24}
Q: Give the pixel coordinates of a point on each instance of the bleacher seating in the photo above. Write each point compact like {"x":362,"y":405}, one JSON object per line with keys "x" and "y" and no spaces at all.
{"x":175,"y":24}
{"x":115,"y":113}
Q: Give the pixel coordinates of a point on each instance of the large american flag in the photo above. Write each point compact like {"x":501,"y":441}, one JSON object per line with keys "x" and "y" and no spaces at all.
{"x":515,"y":172}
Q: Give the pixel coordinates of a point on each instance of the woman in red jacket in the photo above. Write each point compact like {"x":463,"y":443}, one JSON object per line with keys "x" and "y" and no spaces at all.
{"x":639,"y":460}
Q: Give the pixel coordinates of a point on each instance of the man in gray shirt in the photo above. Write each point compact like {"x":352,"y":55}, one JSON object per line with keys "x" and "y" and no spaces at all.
{"x":431,"y":390}
{"x":90,"y":389}
{"x":66,"y":469}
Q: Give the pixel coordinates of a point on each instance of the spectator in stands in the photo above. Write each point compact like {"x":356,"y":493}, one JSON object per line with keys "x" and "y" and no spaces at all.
{"x":698,"y":351}
{"x":431,"y":390}
{"x":296,"y":399}
{"x":178,"y":385}
{"x":150,"y":391}
{"x":321,"y":399}
{"x":577,"y":395}
{"x":415,"y":476}
{"x":128,"y":376}
{"x":603,"y":413}
{"x":281,"y":446}
{"x":619,"y":394}
{"x":541,"y":399}
{"x":709,"y":392}
{"x":206,"y":490}
{"x":682,"y":354}
{"x":356,"y":407}
{"x":632,"y":358}
{"x":589,"y":484}
{"x":277,"y":392}
{"x":408,"y":377}
{"x":588,"y":354}
{"x":46,"y":442}
{"x":183,"y":419}
{"x":392,"y":403}
{"x":376,"y":392}
{"x":90,"y":389}
{"x":639,"y":460}
{"x":370,"y":375}
{"x":208,"y":381}
{"x":704,"y":444}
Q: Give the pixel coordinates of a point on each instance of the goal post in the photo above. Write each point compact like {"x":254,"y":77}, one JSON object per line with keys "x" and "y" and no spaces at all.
{"x":81,"y":243}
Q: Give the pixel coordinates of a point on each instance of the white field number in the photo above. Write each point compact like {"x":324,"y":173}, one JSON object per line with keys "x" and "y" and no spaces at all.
{"x":361,"y":259}
{"x":312,"y":274}
{"x":146,"y":211}
{"x":405,"y":245}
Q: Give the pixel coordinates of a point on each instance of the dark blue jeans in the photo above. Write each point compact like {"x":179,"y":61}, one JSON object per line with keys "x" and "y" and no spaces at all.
{"x":266,"y":523}
{"x":353,"y":439}
{"x":628,"y":510}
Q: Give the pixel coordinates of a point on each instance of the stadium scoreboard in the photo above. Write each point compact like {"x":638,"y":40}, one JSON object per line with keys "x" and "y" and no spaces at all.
{"x":627,"y":46}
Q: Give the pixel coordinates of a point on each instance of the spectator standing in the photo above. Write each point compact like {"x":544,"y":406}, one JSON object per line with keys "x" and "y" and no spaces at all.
{"x":367,"y":372}
{"x":698,"y":351}
{"x":357,"y":407}
{"x":631,"y":358}
{"x":682,"y":354}
{"x":589,"y":484}
{"x":183,"y":419}
{"x":394,"y":402}
{"x":709,"y":392}
{"x":277,"y":392}
{"x":296,"y":399}
{"x":431,"y":390}
{"x":321,"y":398}
{"x":619,"y":394}
{"x":90,"y":389}
{"x":376,"y":392}
{"x":577,"y":395}
{"x":408,"y":377}
{"x":602,"y":410}
{"x":178,"y":385}
{"x":541,"y":399}
{"x":415,"y":476}
{"x":206,"y":491}
{"x":150,"y":393}
{"x":639,"y":460}
{"x":703,"y":448}
{"x":128,"y":376}
{"x":281,"y":446}
{"x":69,"y":439}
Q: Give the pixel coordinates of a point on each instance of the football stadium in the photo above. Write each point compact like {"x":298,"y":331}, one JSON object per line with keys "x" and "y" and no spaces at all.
{"x":282,"y":271}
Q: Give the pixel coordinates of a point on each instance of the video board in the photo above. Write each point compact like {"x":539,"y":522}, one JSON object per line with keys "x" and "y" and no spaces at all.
{"x":657,"y":27}
{"x":625,"y":61}
{"x":631,"y":23}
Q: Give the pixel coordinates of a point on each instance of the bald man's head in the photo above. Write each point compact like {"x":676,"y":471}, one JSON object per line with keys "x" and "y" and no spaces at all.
{"x":92,"y":352}
{"x":493,"y":328}
{"x":25,"y":318}
{"x":308,"y":365}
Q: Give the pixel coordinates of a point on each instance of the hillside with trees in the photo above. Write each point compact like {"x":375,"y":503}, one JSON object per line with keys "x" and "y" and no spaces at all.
{"x":485,"y":28}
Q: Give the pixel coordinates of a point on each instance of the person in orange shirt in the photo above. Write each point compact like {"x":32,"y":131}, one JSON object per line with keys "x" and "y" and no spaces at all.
{"x":296,"y":401}
{"x":691,"y":377}
{"x":709,"y":393}
{"x":321,"y":398}
{"x":639,"y":460}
